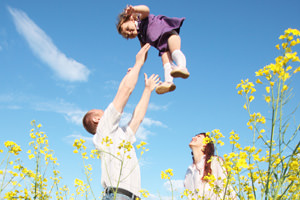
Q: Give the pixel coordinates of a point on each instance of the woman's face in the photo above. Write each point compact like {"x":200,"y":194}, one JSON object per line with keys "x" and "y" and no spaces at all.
{"x":197,"y":141}
{"x":128,"y":29}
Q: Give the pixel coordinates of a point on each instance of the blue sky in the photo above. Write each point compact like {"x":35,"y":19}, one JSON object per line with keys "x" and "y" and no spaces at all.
{"x":59,"y":59}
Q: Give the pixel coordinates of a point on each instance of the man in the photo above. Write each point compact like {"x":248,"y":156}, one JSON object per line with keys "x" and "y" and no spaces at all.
{"x":119,"y":164}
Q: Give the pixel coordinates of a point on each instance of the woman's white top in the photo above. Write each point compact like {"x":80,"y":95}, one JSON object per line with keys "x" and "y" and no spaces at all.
{"x":202,"y":189}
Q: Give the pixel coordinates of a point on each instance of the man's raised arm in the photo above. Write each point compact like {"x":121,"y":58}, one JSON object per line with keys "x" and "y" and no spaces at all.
{"x":141,"y":108}
{"x":128,"y":83}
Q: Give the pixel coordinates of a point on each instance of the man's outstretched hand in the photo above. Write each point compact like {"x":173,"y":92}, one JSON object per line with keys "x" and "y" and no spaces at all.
{"x":141,"y":55}
{"x":152,"y":81}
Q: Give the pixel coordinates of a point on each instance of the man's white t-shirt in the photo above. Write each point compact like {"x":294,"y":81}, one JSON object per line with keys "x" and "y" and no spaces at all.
{"x":111,"y":155}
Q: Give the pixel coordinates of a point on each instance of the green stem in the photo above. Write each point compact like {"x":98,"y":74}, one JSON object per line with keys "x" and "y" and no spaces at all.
{"x":274,"y":117}
{"x":171,"y":188}
{"x":87,"y":178}
{"x":3,"y":178}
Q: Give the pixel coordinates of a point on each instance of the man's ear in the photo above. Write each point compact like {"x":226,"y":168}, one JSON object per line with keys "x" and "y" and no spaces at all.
{"x":96,"y":119}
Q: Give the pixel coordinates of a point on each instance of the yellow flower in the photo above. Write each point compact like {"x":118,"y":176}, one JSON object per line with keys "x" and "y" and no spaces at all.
{"x":297,"y":70}
{"x":267,"y":99}
{"x":262,"y":131}
{"x":277,"y":46}
{"x":245,"y":107}
{"x":12,"y":147}
{"x":251,"y":98}
{"x":258,"y":81}
{"x":32,"y":135}
{"x":241,"y":163}
{"x":284,"y":88}
{"x":277,"y":161}
{"x":282,"y":37}
{"x":167,"y":174}
{"x":31,"y":156}
{"x":220,"y":142}
{"x":294,"y":165}
{"x":206,"y":140}
{"x":268,"y":89}
{"x":293,"y":178}
{"x":163,"y":175}
{"x":170,"y":172}
{"x":144,"y":193}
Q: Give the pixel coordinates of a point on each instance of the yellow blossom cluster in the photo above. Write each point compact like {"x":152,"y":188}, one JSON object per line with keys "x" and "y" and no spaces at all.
{"x":144,"y":193}
{"x":246,"y":87}
{"x":255,"y":118}
{"x":142,"y":146}
{"x":266,"y":169}
{"x":107,"y":141}
{"x":79,"y":144}
{"x":12,"y":147}
{"x":126,"y":146}
{"x":167,"y":174}
{"x":81,"y":187}
{"x":17,"y":176}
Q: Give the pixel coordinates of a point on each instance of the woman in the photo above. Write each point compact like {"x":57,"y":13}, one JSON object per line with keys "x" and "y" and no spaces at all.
{"x":205,"y":163}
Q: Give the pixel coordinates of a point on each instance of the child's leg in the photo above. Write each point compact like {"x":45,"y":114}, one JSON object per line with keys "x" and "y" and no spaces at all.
{"x":174,"y":44}
{"x":167,"y":85}
{"x":167,"y":64}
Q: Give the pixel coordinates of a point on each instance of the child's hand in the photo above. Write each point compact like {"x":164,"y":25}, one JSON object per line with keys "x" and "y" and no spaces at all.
{"x":141,"y":55}
{"x":129,"y":10}
{"x":152,"y":81}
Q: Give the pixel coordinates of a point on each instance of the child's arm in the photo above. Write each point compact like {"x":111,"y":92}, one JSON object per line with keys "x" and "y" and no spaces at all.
{"x":143,"y":10}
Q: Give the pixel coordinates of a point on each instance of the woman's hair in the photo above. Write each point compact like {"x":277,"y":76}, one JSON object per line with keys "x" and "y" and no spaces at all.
{"x":209,"y":151}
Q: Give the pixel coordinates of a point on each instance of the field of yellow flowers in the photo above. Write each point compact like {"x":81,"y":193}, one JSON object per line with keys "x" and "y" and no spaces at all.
{"x":266,"y":169}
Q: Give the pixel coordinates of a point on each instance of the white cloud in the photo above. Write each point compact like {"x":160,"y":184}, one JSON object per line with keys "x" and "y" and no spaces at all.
{"x":143,"y":132}
{"x":176,"y":184}
{"x":155,"y":197}
{"x":75,"y":116}
{"x":112,"y":85}
{"x":71,"y":112}
{"x":18,"y":101}
{"x":151,"y":122}
{"x":6,"y":98}
{"x":155,"y":107}
{"x":41,"y":44}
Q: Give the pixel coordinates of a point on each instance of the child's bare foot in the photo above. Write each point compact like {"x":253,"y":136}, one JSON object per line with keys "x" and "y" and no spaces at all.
{"x":181,"y":72}
{"x":165,"y":87}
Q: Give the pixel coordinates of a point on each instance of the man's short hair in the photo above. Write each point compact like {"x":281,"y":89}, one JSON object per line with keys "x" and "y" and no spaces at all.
{"x":88,"y":123}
